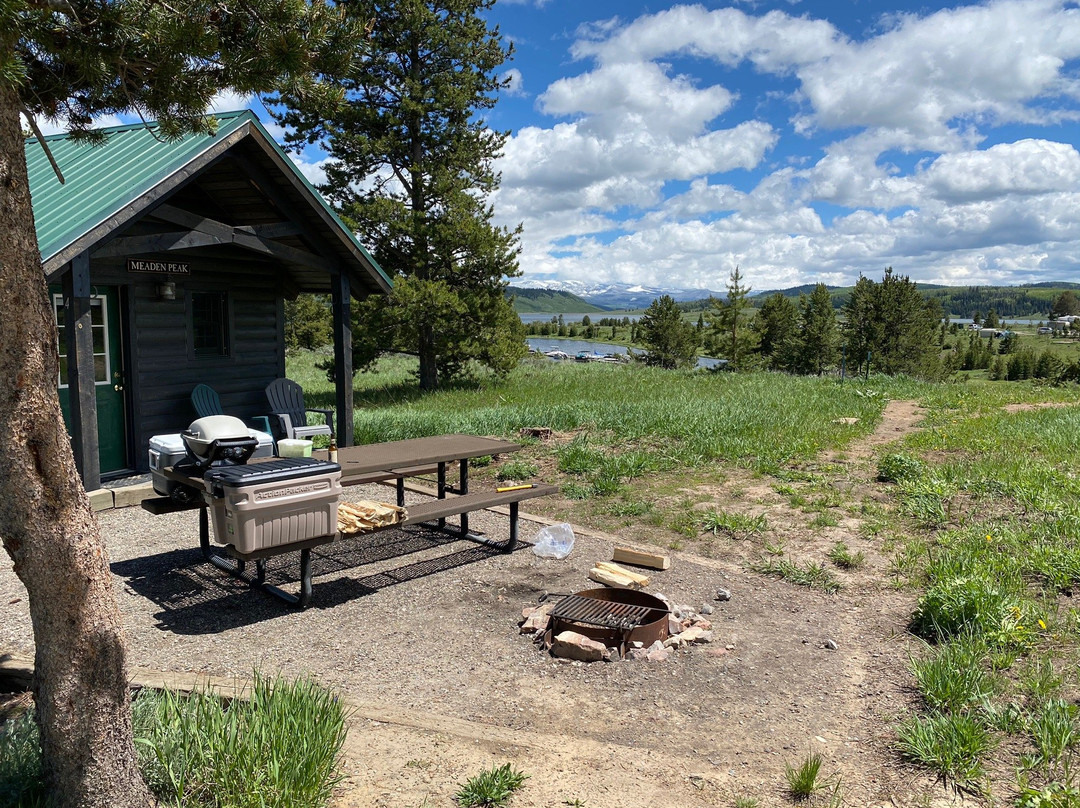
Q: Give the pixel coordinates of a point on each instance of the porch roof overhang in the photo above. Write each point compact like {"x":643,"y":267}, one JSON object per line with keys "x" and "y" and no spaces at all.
{"x":137,"y":194}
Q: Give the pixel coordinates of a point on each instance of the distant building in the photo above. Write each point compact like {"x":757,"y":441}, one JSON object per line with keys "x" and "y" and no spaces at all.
{"x":1063,"y":323}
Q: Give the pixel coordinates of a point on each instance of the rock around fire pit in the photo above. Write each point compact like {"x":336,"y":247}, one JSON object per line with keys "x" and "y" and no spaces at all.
{"x":610,"y":624}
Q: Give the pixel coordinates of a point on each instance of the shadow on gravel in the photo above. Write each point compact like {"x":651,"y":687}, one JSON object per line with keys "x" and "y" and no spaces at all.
{"x":197,"y":598}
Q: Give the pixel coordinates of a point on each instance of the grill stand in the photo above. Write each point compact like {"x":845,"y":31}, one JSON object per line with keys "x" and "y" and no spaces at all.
{"x":235,"y":566}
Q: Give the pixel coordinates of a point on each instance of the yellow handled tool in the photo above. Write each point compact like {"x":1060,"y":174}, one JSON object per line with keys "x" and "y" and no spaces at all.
{"x":514,"y":488}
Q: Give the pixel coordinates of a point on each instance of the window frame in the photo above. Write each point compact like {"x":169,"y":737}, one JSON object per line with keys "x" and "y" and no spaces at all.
{"x":62,"y":350}
{"x":225,"y":348}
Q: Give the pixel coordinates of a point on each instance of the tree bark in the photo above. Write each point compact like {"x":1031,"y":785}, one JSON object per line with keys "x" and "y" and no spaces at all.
{"x":429,"y":371}
{"x":48,"y":528}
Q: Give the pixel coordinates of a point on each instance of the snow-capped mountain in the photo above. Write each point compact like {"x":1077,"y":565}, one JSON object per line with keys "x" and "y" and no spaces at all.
{"x":617,"y":295}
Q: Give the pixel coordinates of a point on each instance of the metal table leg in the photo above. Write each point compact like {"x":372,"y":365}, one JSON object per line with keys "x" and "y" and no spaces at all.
{"x":442,"y":489}
{"x":463,"y":488}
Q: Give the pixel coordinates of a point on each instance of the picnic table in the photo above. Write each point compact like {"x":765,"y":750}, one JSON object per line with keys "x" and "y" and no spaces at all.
{"x":379,"y":462}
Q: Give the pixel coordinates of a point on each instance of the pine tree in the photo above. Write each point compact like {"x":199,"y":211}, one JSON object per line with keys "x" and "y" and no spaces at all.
{"x":75,"y":60}
{"x":308,"y":322}
{"x":893,"y":324}
{"x":776,"y":325}
{"x":671,"y":342}
{"x":411,"y":165}
{"x":862,"y":326}
{"x":731,"y":338}
{"x":1066,"y":303}
{"x":817,"y":345}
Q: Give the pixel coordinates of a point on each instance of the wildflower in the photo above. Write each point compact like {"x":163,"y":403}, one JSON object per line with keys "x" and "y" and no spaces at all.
{"x":1042,"y":625}
{"x":988,"y":538}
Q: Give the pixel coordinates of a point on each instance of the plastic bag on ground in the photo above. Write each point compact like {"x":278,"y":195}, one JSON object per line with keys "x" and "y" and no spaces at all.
{"x":554,"y":541}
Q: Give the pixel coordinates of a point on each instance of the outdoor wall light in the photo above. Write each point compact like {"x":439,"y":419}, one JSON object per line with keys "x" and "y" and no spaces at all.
{"x":167,"y":290}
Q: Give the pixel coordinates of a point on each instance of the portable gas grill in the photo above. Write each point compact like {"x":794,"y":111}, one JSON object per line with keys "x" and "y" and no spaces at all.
{"x":258,"y":510}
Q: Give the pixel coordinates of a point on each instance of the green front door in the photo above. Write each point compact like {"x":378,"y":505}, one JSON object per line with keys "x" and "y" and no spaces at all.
{"x":108,"y":375}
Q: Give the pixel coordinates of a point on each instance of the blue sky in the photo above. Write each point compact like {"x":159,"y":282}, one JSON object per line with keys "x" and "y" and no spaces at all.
{"x":664,"y":143}
{"x":802,"y":140}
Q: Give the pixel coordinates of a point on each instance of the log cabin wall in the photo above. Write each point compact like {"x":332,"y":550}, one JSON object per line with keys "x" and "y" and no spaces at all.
{"x":161,"y":367}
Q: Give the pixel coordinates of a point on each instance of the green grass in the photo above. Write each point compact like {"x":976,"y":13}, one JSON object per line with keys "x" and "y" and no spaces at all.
{"x":803,"y":780}
{"x":490,"y":788}
{"x":1054,"y":731}
{"x":733,"y":525}
{"x":517,"y":470}
{"x":1040,"y":680}
{"x":998,"y":517}
{"x":840,"y":555}
{"x":954,"y":677}
{"x":955,"y":745}
{"x":275,"y":747}
{"x":810,"y":574}
{"x":278,"y":746}
{"x":674,"y":418}
{"x":21,"y":777}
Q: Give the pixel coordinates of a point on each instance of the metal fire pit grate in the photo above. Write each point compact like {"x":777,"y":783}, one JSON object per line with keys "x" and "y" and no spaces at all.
{"x":593,"y":612}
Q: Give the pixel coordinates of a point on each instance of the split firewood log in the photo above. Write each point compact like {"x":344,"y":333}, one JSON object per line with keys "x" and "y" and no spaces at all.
{"x":365,"y":516}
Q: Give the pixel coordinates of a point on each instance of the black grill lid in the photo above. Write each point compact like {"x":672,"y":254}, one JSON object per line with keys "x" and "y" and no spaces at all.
{"x":272,"y":471}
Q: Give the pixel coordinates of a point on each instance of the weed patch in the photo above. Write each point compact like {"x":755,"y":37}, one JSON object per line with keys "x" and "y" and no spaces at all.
{"x":735,"y":525}
{"x":803,"y":780}
{"x":516,"y":470}
{"x":952,"y":744}
{"x":841,"y":556}
{"x":492,"y":788}
{"x":953,"y":677}
{"x":811,"y":574}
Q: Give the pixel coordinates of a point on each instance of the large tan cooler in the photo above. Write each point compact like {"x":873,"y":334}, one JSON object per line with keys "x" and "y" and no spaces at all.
{"x":272,"y":504}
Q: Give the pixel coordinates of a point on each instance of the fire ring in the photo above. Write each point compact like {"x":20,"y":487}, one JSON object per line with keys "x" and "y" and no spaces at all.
{"x":615,"y":617}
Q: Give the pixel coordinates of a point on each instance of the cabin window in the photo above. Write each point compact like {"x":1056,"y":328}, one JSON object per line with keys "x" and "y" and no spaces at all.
{"x":210,"y":323}
{"x":98,"y":329}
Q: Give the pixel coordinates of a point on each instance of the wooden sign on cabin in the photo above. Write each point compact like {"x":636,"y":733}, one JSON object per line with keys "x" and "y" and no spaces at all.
{"x":158,"y":267}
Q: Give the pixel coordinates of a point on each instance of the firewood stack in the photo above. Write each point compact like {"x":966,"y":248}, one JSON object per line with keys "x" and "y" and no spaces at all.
{"x":365,"y":516}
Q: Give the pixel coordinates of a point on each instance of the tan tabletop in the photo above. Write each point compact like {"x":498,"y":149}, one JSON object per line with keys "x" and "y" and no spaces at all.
{"x":398,"y":454}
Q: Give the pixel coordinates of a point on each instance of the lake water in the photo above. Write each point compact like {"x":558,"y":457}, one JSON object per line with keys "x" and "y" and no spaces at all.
{"x":576,"y":346}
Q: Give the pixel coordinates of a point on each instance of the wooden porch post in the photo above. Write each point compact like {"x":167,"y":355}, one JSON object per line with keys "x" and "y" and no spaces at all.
{"x":82,"y":393}
{"x":343,"y":365}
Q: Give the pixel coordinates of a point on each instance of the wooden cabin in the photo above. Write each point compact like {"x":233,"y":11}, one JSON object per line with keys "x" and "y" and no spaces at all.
{"x":169,"y":263}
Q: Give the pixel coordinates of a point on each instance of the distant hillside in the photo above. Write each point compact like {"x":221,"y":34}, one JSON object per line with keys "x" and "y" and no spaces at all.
{"x":1033,"y":300}
{"x":1055,"y":285}
{"x":549,"y":300}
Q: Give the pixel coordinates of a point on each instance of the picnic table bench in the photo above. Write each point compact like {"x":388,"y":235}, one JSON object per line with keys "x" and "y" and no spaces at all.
{"x":393,"y":460}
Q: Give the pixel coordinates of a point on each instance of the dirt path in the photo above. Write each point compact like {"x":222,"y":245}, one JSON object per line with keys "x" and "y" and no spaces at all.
{"x":899,"y":418}
{"x":1038,"y":405}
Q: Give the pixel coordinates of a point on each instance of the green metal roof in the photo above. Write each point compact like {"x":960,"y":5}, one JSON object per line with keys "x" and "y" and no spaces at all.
{"x":103,"y":180}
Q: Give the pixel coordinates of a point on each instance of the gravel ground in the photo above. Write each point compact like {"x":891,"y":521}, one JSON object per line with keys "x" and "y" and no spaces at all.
{"x":420,"y":630}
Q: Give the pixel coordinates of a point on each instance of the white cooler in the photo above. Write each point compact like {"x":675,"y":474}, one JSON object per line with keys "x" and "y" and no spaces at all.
{"x":166,"y":450}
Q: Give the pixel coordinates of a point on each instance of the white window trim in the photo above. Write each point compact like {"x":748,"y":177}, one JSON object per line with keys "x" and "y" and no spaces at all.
{"x":57,"y":302}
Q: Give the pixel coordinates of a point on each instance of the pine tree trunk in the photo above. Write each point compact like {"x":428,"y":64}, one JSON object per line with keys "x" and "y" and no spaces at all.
{"x":429,"y":374}
{"x":49,"y":530}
